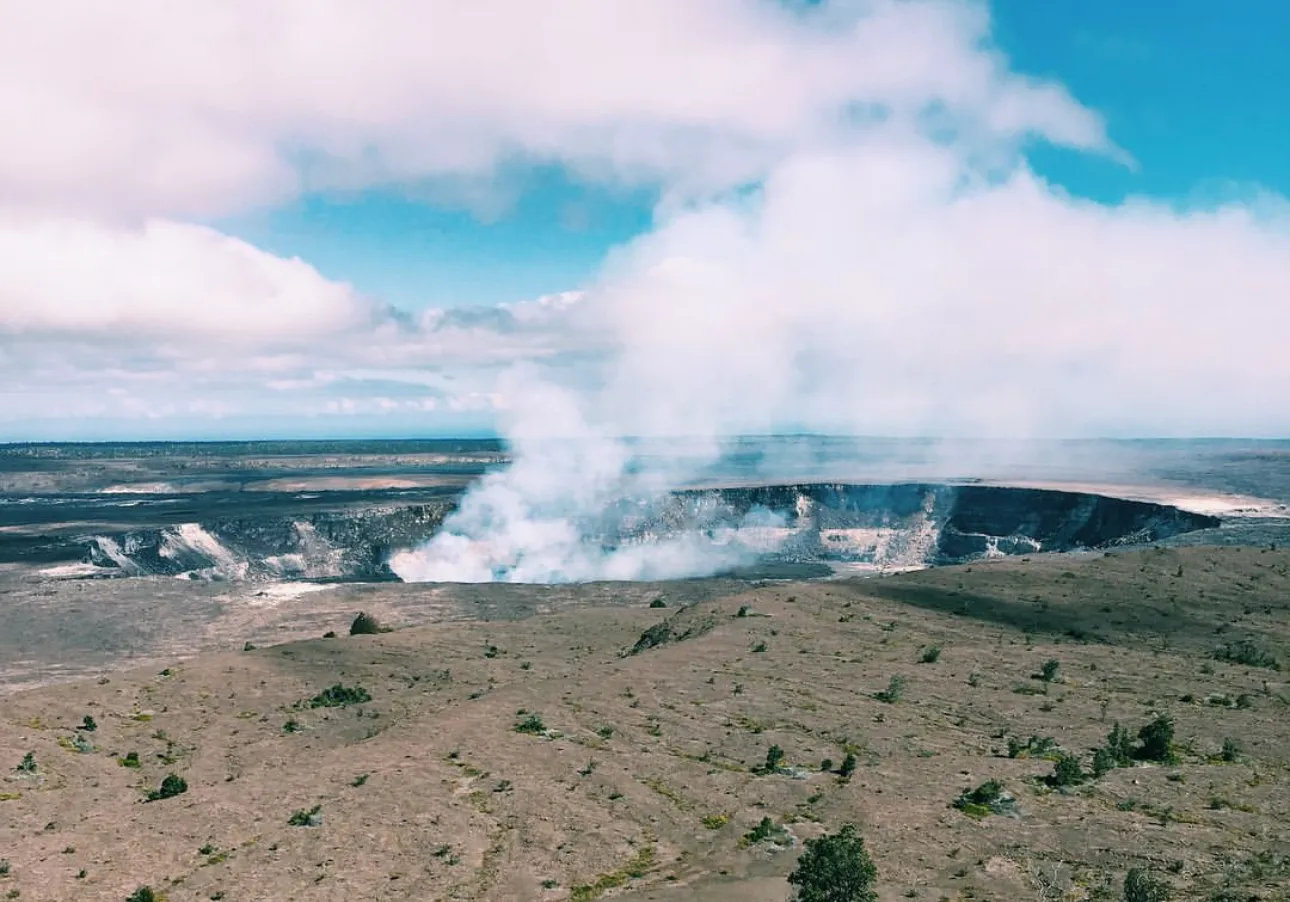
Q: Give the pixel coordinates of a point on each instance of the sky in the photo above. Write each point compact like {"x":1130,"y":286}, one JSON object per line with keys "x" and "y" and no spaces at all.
{"x":290,"y":219}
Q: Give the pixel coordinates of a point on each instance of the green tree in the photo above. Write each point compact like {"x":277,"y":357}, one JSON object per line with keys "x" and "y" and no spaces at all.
{"x":1067,"y":771}
{"x":1048,"y":673}
{"x":835,"y":868}
{"x":1103,"y":762}
{"x":1157,"y":740}
{"x":848,"y":766}
{"x":1120,"y":745}
{"x":774,"y":758}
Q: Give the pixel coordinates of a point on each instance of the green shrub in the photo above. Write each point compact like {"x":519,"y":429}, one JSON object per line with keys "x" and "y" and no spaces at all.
{"x":931,"y":654}
{"x":144,"y":894}
{"x":1120,"y":744}
{"x":894,"y":691}
{"x":1139,"y":886}
{"x":366,"y":624}
{"x":1048,"y":673}
{"x":5,"y":868}
{"x":766,"y":830}
{"x":292,"y":726}
{"x":658,"y":603}
{"x":171,"y":786}
{"x":28,"y":764}
{"x":835,"y":868}
{"x":1247,"y":653}
{"x":1067,"y":771}
{"x":532,"y":725}
{"x":339,"y":696}
{"x":774,"y":757}
{"x":1103,"y":762}
{"x":131,"y":759}
{"x":848,"y":766}
{"x":1157,"y":740}
{"x":826,"y":765}
{"x":988,"y":798}
{"x":1231,"y":751}
{"x":302,"y":818}
{"x":88,"y":724}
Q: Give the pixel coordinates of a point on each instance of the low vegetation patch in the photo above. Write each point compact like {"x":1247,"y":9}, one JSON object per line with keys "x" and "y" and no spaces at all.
{"x":171,"y":786}
{"x":1247,"y":653}
{"x":637,"y":867}
{"x":339,"y":696}
{"x":987,"y":799}
{"x":302,"y":818}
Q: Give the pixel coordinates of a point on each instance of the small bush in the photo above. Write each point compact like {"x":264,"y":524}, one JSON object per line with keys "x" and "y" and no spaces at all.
{"x":1247,"y":653}
{"x":658,"y":603}
{"x":1048,"y":673}
{"x":532,"y":725}
{"x":1139,"y":886}
{"x":145,"y":894}
{"x":292,"y":726}
{"x":826,"y":765}
{"x":1120,"y":745}
{"x":894,"y":691}
{"x":131,"y":759}
{"x":930,"y":655}
{"x":366,"y":624}
{"x":759,"y":647}
{"x":765,"y":831}
{"x":359,"y":780}
{"x":1157,"y":740}
{"x":716,"y":821}
{"x":88,"y":724}
{"x":302,"y":818}
{"x":28,"y":764}
{"x":5,"y":867}
{"x":1067,"y":771}
{"x":774,"y":758}
{"x":743,"y":611}
{"x":1103,"y":762}
{"x":171,"y":786}
{"x":848,"y":766}
{"x":339,"y":696}
{"x":988,"y":798}
{"x":1231,"y":751}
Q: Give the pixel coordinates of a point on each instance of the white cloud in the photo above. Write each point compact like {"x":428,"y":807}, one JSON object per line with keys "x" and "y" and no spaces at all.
{"x":177,"y":282}
{"x":138,"y":108}
{"x":871,"y":279}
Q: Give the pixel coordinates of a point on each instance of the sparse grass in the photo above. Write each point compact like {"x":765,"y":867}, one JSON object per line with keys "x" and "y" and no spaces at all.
{"x":634,"y":869}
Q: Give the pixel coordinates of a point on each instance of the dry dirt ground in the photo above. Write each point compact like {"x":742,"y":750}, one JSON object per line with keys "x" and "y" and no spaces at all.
{"x":643,"y":777}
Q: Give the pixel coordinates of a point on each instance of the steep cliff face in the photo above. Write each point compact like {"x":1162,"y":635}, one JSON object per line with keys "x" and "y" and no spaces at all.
{"x":917,"y":525}
{"x":351,"y":544}
{"x":882,"y":526}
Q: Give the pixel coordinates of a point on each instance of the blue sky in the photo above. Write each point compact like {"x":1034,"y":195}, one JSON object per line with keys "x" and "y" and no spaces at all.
{"x":171,"y":267}
{"x":1195,"y":92}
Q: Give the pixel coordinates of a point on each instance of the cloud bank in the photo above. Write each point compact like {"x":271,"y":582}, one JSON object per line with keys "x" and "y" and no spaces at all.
{"x":848,"y":237}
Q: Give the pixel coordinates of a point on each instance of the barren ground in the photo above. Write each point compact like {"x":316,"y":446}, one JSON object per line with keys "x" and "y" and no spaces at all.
{"x":646,"y":777}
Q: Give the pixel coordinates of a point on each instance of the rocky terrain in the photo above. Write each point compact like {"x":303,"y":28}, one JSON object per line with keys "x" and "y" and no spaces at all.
{"x":620,"y":742}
